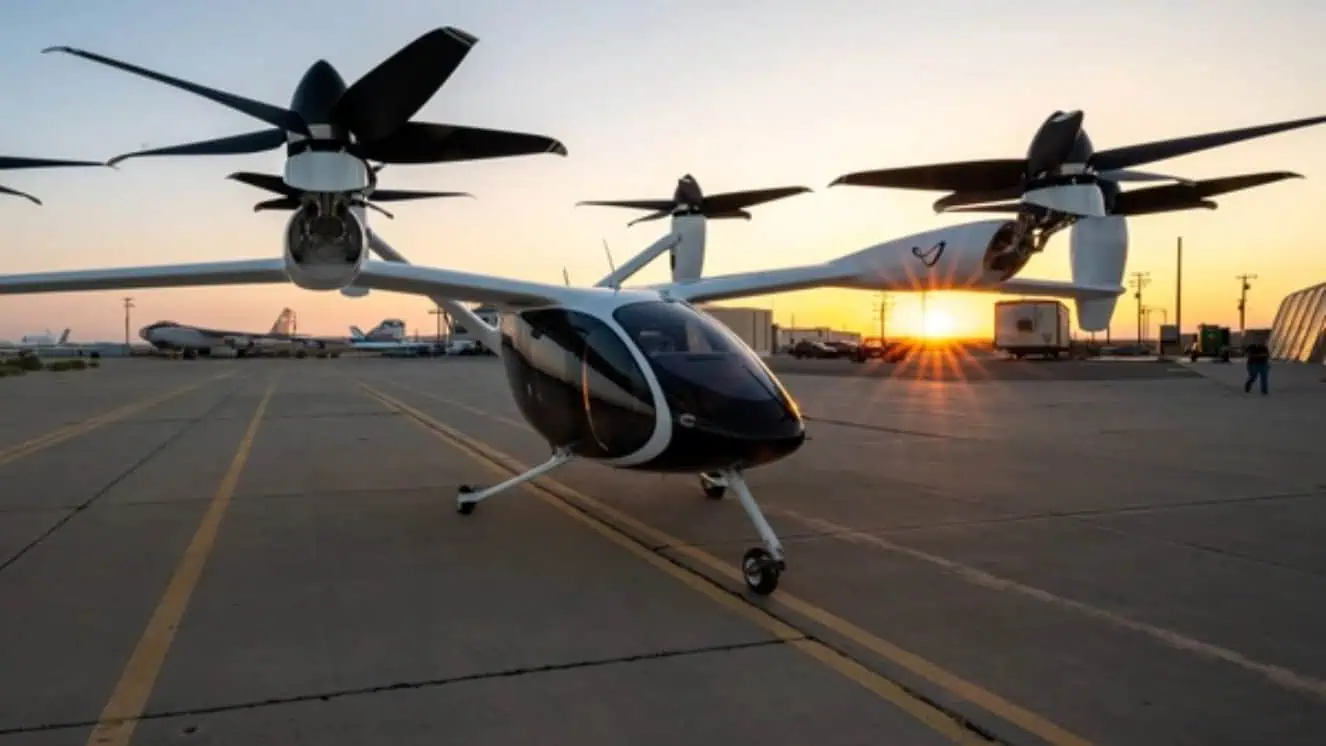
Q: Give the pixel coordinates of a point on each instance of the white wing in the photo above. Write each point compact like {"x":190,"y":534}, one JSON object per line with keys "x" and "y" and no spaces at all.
{"x":244,"y":272}
{"x":1055,"y":289}
{"x":402,"y":278}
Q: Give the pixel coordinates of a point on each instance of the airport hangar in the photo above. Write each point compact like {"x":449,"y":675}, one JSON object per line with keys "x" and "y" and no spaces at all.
{"x":1298,"y":333}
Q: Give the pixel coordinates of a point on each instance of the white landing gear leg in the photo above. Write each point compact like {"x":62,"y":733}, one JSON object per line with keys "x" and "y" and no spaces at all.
{"x":713,"y":484}
{"x":469,"y":496}
{"x":761,"y":567}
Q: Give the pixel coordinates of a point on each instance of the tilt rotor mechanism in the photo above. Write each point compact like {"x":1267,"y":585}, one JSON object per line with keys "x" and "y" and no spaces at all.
{"x":369,"y":119}
{"x":689,"y":199}
{"x":1062,"y":177}
{"x":14,"y":163}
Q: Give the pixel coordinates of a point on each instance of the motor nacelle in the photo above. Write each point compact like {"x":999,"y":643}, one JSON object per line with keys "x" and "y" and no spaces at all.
{"x":326,"y":243}
{"x":240,"y":342}
{"x":971,"y":255}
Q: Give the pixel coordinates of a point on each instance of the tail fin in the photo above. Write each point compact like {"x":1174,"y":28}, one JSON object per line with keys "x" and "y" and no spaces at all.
{"x":1098,"y":255}
{"x":284,"y":322}
{"x":64,"y":337}
{"x":356,"y":333}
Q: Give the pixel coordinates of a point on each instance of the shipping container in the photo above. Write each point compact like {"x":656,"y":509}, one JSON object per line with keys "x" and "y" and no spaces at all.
{"x":1032,"y":327}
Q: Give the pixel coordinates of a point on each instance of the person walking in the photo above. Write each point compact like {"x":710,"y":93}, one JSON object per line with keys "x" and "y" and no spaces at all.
{"x":1259,"y":365}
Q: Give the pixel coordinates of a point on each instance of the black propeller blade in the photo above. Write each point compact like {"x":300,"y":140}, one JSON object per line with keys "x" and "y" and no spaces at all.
{"x":1167,"y":198}
{"x":374,"y":111}
{"x":1059,"y":141}
{"x":1172,"y":197}
{"x":689,"y":199}
{"x":290,"y":197}
{"x":15,"y":163}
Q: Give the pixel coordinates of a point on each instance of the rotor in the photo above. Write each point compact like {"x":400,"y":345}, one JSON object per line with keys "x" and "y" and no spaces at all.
{"x":689,"y":199}
{"x":369,"y":119}
{"x":1061,"y":154}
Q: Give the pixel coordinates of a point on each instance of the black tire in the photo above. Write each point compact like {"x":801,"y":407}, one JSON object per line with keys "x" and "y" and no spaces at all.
{"x":711,"y":490}
{"x":760,"y":571}
{"x":466,"y":508}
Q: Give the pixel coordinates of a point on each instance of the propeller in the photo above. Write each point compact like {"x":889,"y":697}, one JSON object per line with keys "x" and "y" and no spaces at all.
{"x":689,"y":199}
{"x":1167,"y":198}
{"x":1060,"y":154}
{"x":369,"y":119}
{"x":14,"y":163}
{"x":290,"y":198}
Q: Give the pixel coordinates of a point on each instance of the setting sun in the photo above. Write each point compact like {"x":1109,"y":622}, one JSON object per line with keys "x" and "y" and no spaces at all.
{"x":938,"y":324}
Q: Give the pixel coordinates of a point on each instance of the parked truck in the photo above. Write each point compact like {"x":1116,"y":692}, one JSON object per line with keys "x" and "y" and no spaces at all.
{"x":1032,"y":327}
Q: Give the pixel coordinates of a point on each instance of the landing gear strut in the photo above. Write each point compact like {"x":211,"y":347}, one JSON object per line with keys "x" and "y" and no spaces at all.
{"x":761,"y":567}
{"x":469,"y":496}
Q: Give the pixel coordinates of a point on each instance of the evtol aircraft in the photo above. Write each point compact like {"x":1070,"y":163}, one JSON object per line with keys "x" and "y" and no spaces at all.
{"x":634,"y":378}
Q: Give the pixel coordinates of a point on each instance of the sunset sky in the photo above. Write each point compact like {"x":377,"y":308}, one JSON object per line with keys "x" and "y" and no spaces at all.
{"x":742,"y":93}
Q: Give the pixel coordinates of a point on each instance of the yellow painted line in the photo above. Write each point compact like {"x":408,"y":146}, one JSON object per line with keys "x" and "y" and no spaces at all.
{"x":503,"y":464}
{"x":120,"y":716}
{"x":68,"y":432}
{"x":465,"y":407}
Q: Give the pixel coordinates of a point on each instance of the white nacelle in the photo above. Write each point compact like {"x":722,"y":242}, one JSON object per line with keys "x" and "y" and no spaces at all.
{"x":687,"y":256}
{"x":240,"y":342}
{"x":322,"y":171}
{"x":325,"y":252}
{"x":971,"y":255}
{"x":1098,"y":253}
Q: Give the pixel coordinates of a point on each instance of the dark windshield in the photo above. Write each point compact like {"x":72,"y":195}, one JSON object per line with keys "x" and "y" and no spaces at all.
{"x":704,"y":368}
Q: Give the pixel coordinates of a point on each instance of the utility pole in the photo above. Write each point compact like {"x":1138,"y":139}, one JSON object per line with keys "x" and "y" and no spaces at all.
{"x":882,"y":308}
{"x":1244,"y":287}
{"x":128,"y":304}
{"x":1140,"y":280}
{"x":1178,"y":292}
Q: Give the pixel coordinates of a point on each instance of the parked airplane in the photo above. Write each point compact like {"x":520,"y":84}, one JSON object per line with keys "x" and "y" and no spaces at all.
{"x":192,"y":341}
{"x":388,"y":337}
{"x":36,"y":342}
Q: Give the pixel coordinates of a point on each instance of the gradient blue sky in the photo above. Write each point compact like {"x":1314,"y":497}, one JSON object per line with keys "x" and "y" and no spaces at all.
{"x":742,"y":93}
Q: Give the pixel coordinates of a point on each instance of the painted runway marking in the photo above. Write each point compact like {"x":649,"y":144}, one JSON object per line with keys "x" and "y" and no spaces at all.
{"x":120,"y":716}
{"x":68,"y":432}
{"x":1275,"y":674}
{"x":606,"y":521}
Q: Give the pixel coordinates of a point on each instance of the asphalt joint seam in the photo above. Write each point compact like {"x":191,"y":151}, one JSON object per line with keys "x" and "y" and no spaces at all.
{"x":327,"y":696}
{"x":105,"y":489}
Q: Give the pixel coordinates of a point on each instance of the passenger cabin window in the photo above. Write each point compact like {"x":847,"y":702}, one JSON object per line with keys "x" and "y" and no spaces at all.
{"x":704,"y":368}
{"x":577,"y":383}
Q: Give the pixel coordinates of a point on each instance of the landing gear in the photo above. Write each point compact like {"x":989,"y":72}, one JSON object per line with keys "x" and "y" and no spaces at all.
{"x":468,"y":496}
{"x":761,"y":567}
{"x":713,"y":485}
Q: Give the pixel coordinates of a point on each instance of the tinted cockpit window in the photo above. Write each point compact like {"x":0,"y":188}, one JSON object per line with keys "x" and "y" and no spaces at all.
{"x":704,"y":368}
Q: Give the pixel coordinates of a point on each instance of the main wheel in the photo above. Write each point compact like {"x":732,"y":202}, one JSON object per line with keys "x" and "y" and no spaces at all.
{"x":761,"y":571}
{"x":712,"y":490}
{"x":465,"y":508}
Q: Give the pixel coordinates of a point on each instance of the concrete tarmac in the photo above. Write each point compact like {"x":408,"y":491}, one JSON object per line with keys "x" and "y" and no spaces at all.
{"x":274,"y":554}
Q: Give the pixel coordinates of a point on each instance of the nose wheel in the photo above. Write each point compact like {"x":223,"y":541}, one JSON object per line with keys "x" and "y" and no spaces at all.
{"x":761,"y":567}
{"x":761,"y":571}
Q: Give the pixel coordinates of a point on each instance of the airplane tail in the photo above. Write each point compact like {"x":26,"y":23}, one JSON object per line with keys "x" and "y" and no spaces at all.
{"x":356,"y":333}
{"x":64,"y":337}
{"x":1098,"y":255}
{"x":284,"y":323}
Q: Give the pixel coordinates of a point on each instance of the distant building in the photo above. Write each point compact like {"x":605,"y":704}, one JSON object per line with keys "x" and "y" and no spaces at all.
{"x":754,"y":325}
{"x":1299,"y":330}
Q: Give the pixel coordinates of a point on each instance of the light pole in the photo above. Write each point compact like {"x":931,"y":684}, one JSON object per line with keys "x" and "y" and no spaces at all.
{"x":437,"y":313}
{"x":882,"y":308}
{"x":1244,"y":287}
{"x":1139,"y":281}
{"x":128,"y":304}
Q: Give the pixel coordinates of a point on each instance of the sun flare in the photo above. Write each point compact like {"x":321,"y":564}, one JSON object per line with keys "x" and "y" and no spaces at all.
{"x":938,"y":324}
